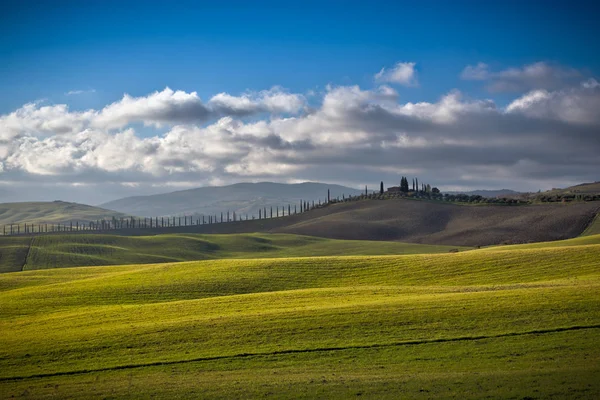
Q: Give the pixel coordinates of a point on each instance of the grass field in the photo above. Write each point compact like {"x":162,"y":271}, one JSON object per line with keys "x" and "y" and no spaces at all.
{"x":54,"y":212}
{"x":521,"y":322}
{"x":594,"y":227}
{"x":70,"y":250}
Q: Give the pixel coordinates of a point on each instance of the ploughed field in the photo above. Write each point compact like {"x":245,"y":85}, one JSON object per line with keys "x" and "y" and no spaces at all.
{"x":415,"y":221}
{"x":507,"y":322}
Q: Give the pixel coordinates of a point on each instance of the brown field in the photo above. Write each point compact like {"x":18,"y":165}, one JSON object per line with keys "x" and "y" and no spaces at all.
{"x":421,"y":222}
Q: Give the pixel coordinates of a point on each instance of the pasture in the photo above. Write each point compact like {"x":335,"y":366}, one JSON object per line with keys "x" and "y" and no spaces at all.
{"x":70,"y":250}
{"x":507,"y":322}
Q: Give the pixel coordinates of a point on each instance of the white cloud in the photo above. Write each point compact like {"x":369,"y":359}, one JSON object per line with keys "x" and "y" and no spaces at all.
{"x":34,"y":118}
{"x":578,"y":105}
{"x":158,"y":108}
{"x":275,"y":101}
{"x":354,"y":135}
{"x":477,"y":72}
{"x":76,"y":92}
{"x":402,"y":73}
{"x":539,"y":75}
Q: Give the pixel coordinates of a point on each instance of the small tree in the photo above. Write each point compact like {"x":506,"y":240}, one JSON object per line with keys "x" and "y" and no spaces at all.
{"x":381,"y":188}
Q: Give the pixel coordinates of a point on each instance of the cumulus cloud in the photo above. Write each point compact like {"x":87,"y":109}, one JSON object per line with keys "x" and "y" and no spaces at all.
{"x":354,"y":136}
{"x":274,"y":101}
{"x":578,"y":105}
{"x":158,"y":108}
{"x":402,"y":73}
{"x":36,"y":118}
{"x":539,"y":75}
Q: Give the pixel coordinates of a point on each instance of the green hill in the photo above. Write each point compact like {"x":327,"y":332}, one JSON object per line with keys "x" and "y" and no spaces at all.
{"x":55,"y":212}
{"x":594,"y":227}
{"x":70,"y":250}
{"x":495,"y":323}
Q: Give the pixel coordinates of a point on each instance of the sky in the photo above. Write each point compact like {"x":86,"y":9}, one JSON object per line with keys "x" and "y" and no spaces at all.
{"x":102,"y":100}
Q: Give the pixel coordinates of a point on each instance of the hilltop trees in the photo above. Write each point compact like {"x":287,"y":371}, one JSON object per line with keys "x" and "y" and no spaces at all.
{"x":404,"y":184}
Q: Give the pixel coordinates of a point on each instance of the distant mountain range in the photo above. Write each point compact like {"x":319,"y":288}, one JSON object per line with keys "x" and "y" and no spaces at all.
{"x":241,"y":198}
{"x":488,"y":193}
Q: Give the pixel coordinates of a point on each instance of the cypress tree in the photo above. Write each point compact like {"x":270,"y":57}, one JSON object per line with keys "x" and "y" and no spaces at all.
{"x":381,"y":188}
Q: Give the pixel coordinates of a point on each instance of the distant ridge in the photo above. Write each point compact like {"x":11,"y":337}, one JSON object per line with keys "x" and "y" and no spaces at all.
{"x":242,"y":198}
{"x":52,"y":212}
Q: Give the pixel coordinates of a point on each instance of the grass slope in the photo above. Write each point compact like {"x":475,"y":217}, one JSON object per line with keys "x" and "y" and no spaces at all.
{"x":594,"y":227}
{"x":54,"y":212}
{"x":491,"y":323}
{"x":13,"y":253}
{"x":71,"y":250}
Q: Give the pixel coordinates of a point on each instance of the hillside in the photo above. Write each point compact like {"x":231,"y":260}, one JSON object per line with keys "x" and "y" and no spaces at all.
{"x":488,"y":193}
{"x":414,"y":221}
{"x":52,"y":212}
{"x":584,"y":188}
{"x":513,"y":323}
{"x":72,"y":250}
{"x":243,"y":198}
{"x":439,"y":223}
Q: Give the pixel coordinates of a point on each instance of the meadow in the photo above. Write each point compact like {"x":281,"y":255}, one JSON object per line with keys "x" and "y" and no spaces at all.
{"x":506,"y":322}
{"x":70,"y":250}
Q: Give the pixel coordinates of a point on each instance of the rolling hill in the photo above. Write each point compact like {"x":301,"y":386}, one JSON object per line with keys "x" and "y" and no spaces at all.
{"x":515,"y":322}
{"x":72,"y":250}
{"x":52,"y":212}
{"x":243,"y":198}
{"x":414,"y":221}
{"x":584,"y":188}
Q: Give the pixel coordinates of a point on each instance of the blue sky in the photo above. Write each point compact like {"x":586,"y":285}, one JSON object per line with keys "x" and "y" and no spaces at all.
{"x":49,"y":48}
{"x":85,"y":55}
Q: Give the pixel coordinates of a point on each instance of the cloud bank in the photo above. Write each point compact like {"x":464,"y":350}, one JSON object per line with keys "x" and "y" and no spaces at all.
{"x":354,"y":136}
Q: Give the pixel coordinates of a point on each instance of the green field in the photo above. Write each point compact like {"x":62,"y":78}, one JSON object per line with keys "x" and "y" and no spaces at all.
{"x":52,"y":212}
{"x":594,"y":227}
{"x":71,"y":250}
{"x":511,"y":322}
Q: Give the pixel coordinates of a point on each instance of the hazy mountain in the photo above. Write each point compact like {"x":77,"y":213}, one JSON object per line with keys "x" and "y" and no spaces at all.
{"x":243,"y":198}
{"x":52,"y":212}
{"x":489,"y":193}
